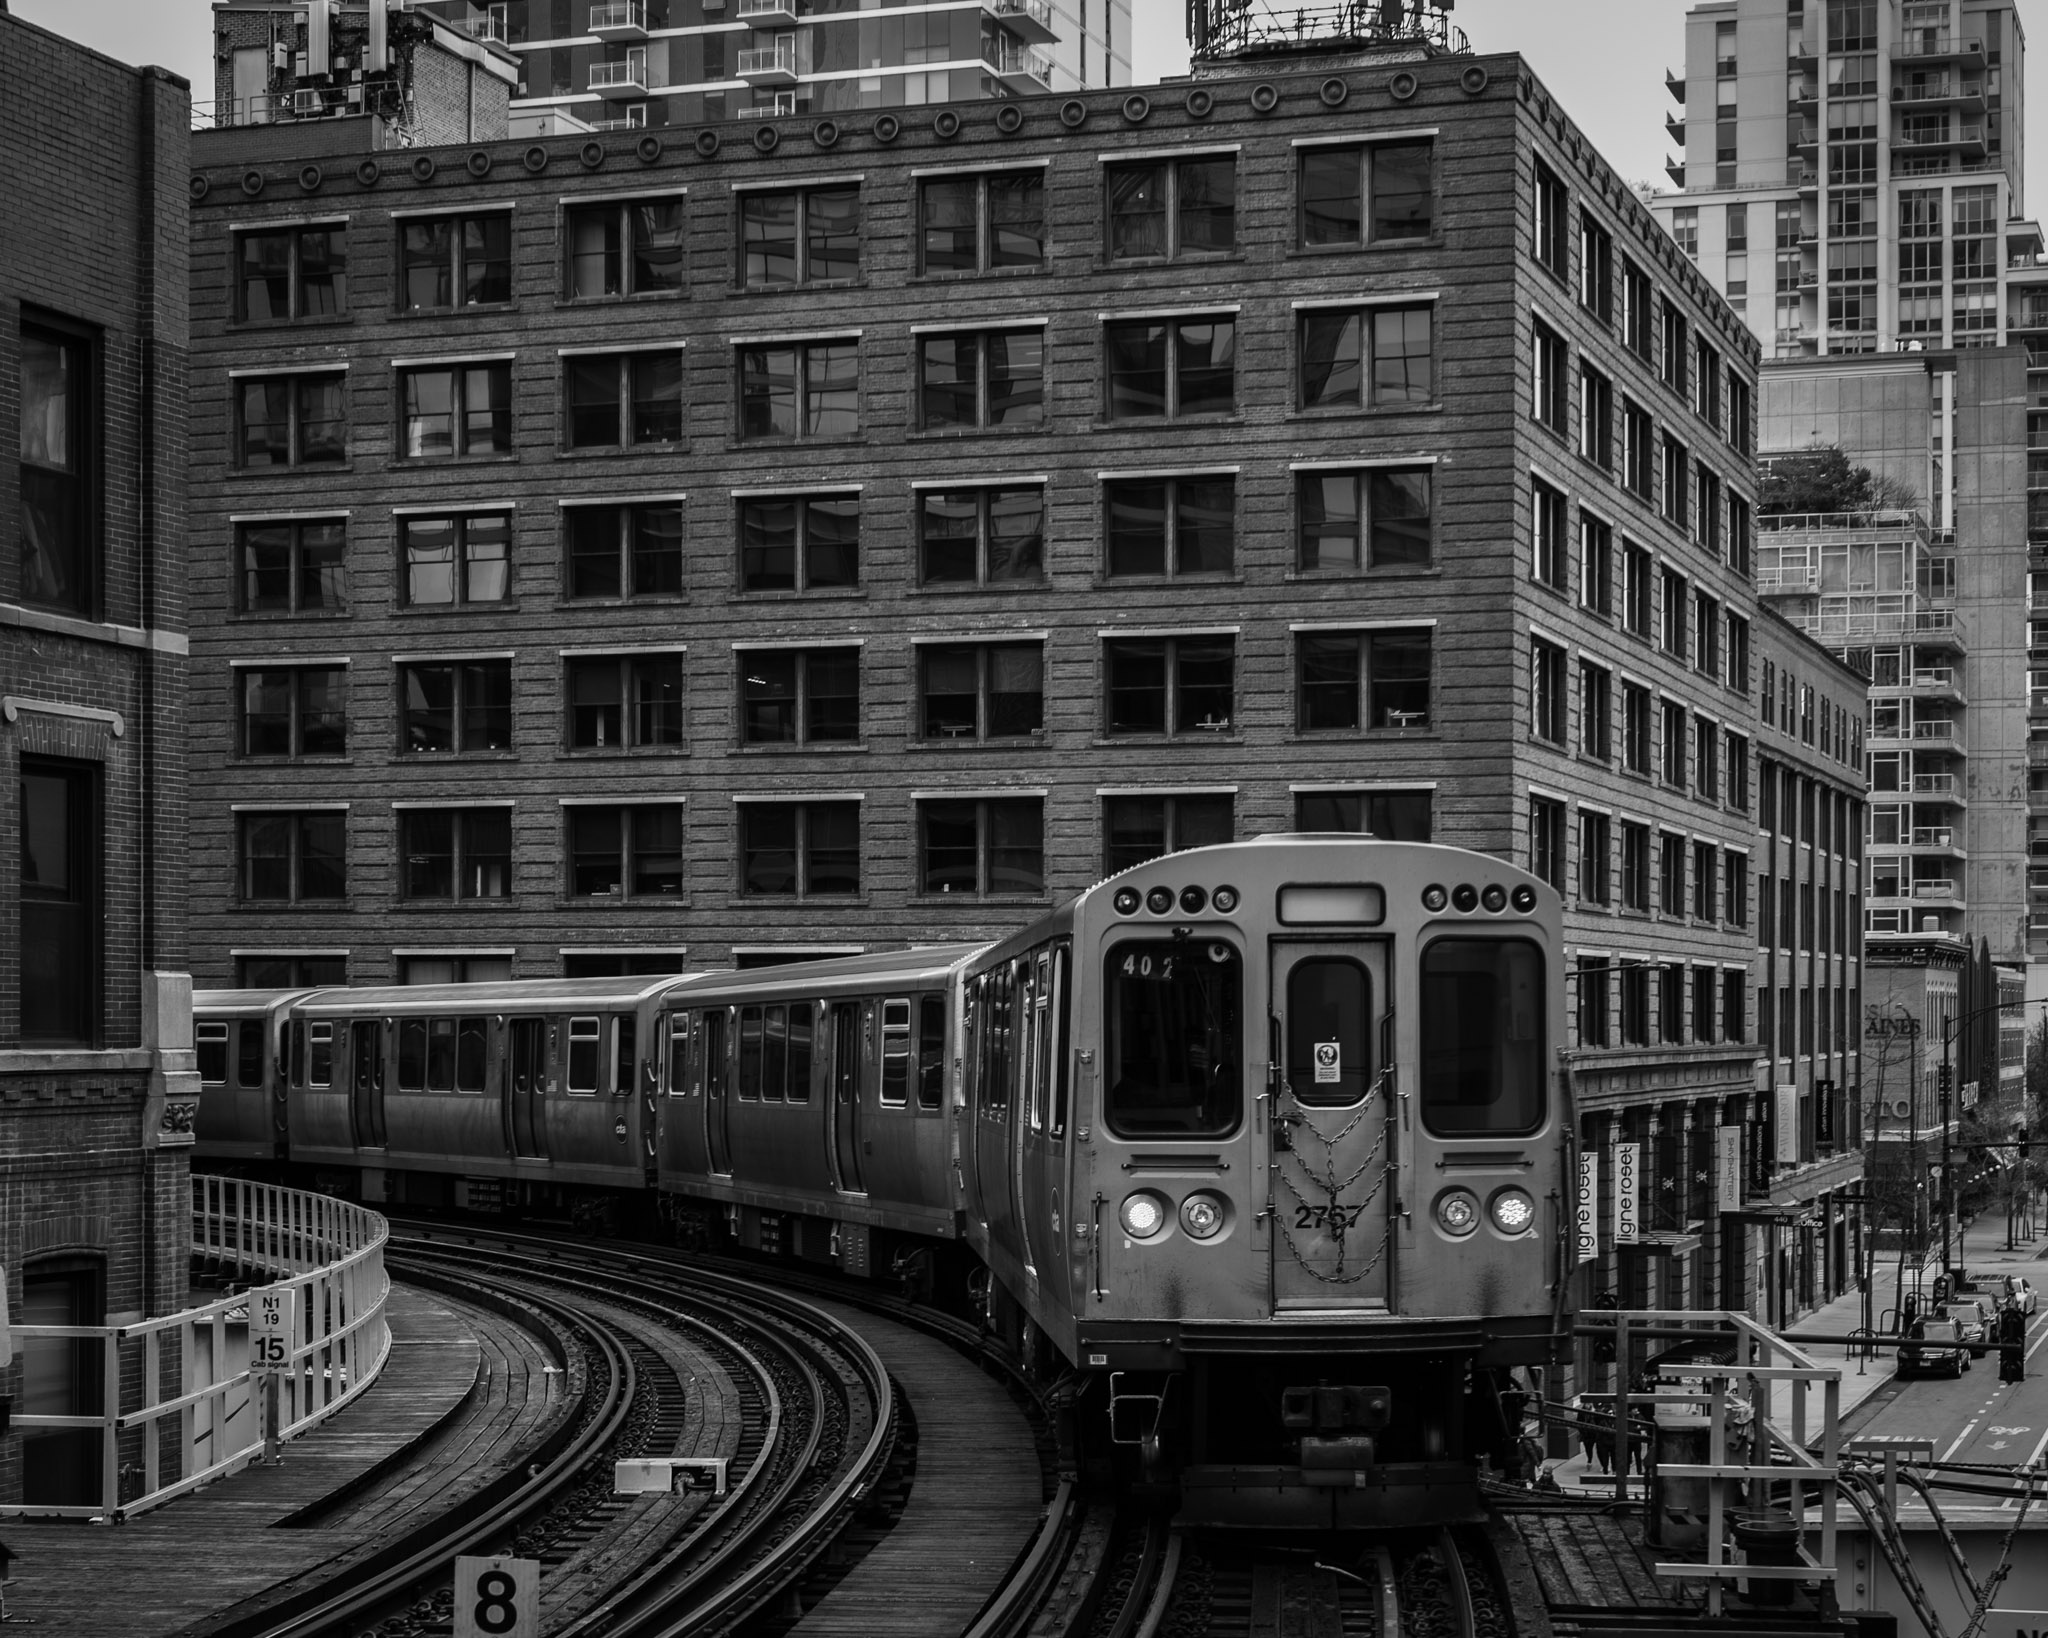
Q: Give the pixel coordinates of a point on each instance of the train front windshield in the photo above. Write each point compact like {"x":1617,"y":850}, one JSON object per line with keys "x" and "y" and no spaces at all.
{"x":1483,"y":1008}
{"x":1174,"y":1012}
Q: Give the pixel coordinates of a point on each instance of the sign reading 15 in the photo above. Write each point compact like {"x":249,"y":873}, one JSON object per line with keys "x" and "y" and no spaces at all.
{"x":273,"y":1328}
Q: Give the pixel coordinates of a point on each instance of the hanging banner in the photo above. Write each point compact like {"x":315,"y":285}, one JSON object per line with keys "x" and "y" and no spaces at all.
{"x":1728,"y":1168}
{"x":1589,"y":1205}
{"x":1627,"y":1180}
{"x":1787,"y":1122}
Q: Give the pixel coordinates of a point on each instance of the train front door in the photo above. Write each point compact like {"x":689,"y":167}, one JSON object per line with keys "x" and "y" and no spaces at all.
{"x":526,"y":1088}
{"x":1330,"y":1121}
{"x":366,"y":1082}
{"x":852,"y":1024}
{"x":717,"y":1145}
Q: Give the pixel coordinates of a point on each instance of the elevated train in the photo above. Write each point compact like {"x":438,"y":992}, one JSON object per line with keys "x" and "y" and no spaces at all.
{"x":1261,"y":1145}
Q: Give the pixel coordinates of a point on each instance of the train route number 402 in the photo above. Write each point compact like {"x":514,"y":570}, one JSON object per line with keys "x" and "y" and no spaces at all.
{"x":273,"y":1328}
{"x":497,"y":1598}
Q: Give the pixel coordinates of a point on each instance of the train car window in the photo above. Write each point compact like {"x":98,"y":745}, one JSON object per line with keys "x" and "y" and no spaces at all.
{"x":295,"y":1052}
{"x":1483,"y":1010}
{"x":750,"y":1053}
{"x":469,"y":1055}
{"x":1174,"y":1049}
{"x":774,"y":1052}
{"x":212,"y":1042}
{"x":714,"y":1054}
{"x":412,"y":1055}
{"x":441,"y":1055}
{"x":895,"y":1091}
{"x":802,"y":1020}
{"x":1063,"y":1007}
{"x":583,"y":1042}
{"x":931,"y":1051}
{"x":1002,"y":1034}
{"x":1041,"y":1039}
{"x":625,"y":1054}
{"x":1329,"y":1004}
{"x":249,"y":1053}
{"x":365,"y":1063}
{"x":678,"y":1053}
{"x":320,"y":1055}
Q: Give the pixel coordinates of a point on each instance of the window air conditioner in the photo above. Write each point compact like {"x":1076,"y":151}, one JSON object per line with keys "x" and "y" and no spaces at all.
{"x":1899,"y":1108}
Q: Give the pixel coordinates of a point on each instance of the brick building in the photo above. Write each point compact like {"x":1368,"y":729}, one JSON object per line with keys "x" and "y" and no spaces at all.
{"x":96,"y":1070}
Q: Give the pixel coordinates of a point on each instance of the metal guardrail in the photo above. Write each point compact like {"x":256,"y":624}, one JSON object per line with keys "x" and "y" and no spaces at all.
{"x":192,"y":1410}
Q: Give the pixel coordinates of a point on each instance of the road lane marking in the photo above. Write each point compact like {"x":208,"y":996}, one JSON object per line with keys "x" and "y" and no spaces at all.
{"x":1960,"y":1438}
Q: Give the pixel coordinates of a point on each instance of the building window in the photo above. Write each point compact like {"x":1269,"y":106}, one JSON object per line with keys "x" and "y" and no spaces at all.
{"x":1637,"y":598}
{"x":1734,"y":1004}
{"x":1392,"y":816}
{"x":799,"y":543}
{"x":626,"y":702}
{"x":1596,"y":564}
{"x":1172,"y":368}
{"x":1739,"y":535}
{"x":456,"y":560}
{"x":291,"y":273}
{"x":1738,"y":772}
{"x":983,"y":848}
{"x":802,"y":236}
{"x":1170,"y":685}
{"x":1592,"y":976}
{"x":978,"y":381}
{"x":1705,"y":879}
{"x":626,"y":852}
{"x":59,"y":449}
{"x":1371,"y":358}
{"x":61,"y":847}
{"x":1635,"y":1004}
{"x":791,"y":696}
{"x":1552,"y":400}
{"x":1635,"y":728}
{"x":291,"y":568}
{"x":1596,"y":863}
{"x":1548,"y":524}
{"x":1551,"y":242}
{"x":981,"y":224}
{"x":1137,"y":828}
{"x":445,"y":262}
{"x":1706,"y":759}
{"x":1676,"y":745}
{"x":1670,"y":874}
{"x":799,"y":849}
{"x":1738,"y":413}
{"x":1675,"y":338}
{"x":800,"y":390}
{"x":1706,"y":624}
{"x":1704,"y":1017}
{"x":625,"y":551}
{"x":981,"y":691}
{"x":1546,"y":691}
{"x":1370,"y":195}
{"x":1377,"y":519}
{"x":969,"y":537}
{"x":1706,"y":382}
{"x":1638,"y":321}
{"x":455,"y":707}
{"x":285,"y":972}
{"x":460,"y":410}
{"x":298,"y":711}
{"x":1671,"y":1004}
{"x":1348,"y":680}
{"x":294,"y":857}
{"x":1638,"y":451}
{"x":1546,"y":841}
{"x":630,"y":247}
{"x":1685,"y":228}
{"x":1635,"y":866}
{"x":1707,"y":510}
{"x":1596,"y":417}
{"x":1170,"y":526}
{"x":1677,"y":639}
{"x":1596,"y":711}
{"x":1170,"y":210}
{"x":1738,"y":654}
{"x":1596,"y":268}
{"x":455,"y":853}
{"x":1735,"y":895}
{"x":1677,"y":493}
{"x":291,"y":420}
{"x":623,"y":400}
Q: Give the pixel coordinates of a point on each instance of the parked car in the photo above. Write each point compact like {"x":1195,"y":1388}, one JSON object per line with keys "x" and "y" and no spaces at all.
{"x":2015,"y":1288}
{"x":1934,"y":1347}
{"x":1973,"y":1322}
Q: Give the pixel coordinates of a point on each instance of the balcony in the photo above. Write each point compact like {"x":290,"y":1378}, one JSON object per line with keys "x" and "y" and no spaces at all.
{"x":770,"y":66}
{"x":489,"y":28}
{"x":1023,"y":71}
{"x":1788,"y":579}
{"x":1938,"y":45}
{"x":1968,"y":140}
{"x":624,"y":81}
{"x":1939,"y":892}
{"x":1675,"y":169}
{"x":1969,"y":95}
{"x":1938,"y":788}
{"x":1674,"y":128}
{"x":1675,"y":84}
{"x":1029,"y":20}
{"x":1938,"y":736}
{"x":1934,"y":683}
{"x":773,"y":14}
{"x":1939,"y":840}
{"x":623,"y":22}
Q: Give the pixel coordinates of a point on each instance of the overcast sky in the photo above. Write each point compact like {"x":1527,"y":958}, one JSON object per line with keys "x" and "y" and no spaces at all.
{"x":1605,"y":59}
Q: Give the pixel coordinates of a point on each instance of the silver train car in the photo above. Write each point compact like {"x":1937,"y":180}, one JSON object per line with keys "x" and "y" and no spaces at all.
{"x":1261,"y":1146}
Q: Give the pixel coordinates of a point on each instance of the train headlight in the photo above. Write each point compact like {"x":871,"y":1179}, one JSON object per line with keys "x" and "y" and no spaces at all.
{"x":1523,"y":898}
{"x":1191,"y":900}
{"x":1127,"y":901}
{"x":1434,"y":898}
{"x":1159,"y":901}
{"x":1142,"y":1214}
{"x":1202,"y":1216}
{"x":1495,"y":898}
{"x":1513,"y":1211}
{"x":1224,"y":899}
{"x":1457,"y":1212}
{"x":1465,"y":897}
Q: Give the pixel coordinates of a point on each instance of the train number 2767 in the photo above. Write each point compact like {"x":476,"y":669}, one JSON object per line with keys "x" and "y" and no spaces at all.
{"x":1315,"y":1217}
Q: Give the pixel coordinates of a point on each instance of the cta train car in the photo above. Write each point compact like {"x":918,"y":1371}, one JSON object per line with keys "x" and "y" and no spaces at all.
{"x":239,"y":1037}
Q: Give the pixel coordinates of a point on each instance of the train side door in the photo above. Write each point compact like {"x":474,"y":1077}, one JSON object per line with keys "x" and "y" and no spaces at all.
{"x":997,"y":1077}
{"x":848,"y":1040}
{"x":1330,"y":1114}
{"x":526,"y":1088}
{"x":366,"y":1083}
{"x":717,"y":1073}
{"x":1045,"y":1137}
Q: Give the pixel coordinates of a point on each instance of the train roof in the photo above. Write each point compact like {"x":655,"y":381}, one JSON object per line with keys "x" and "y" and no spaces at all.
{"x":925,"y":966}
{"x":514,"y":992}
{"x":240,"y":1000}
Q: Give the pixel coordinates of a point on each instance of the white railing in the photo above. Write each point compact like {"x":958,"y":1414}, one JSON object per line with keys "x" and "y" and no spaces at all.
{"x":1037,"y":11}
{"x":193,"y":1412}
{"x":618,"y":14}
{"x":779,"y":58}
{"x":631,"y":74}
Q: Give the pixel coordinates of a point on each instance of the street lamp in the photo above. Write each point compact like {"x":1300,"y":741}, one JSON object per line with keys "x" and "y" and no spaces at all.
{"x":1946,"y":1086}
